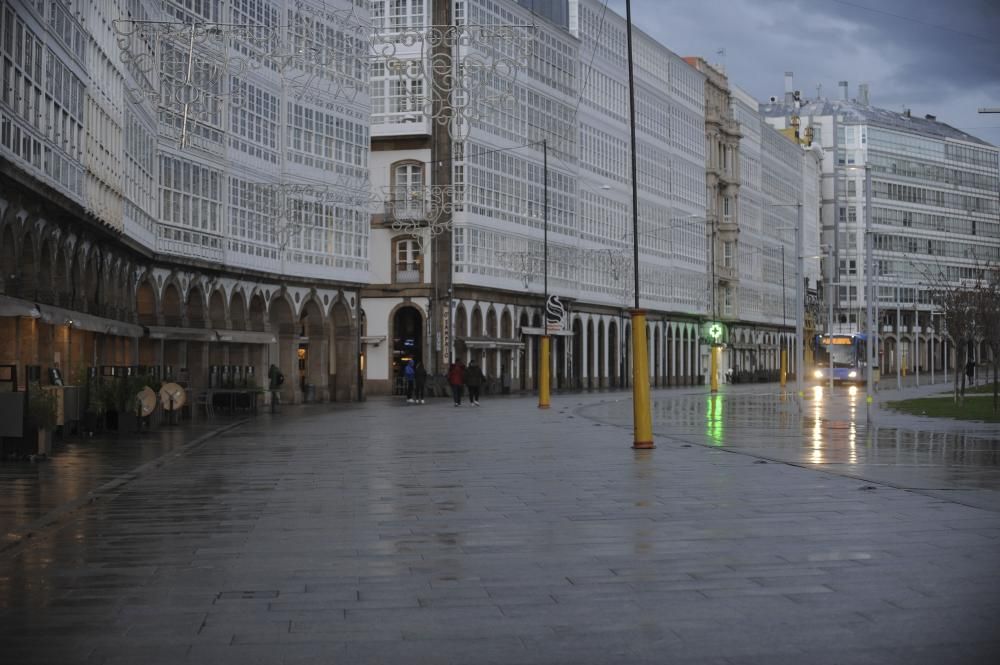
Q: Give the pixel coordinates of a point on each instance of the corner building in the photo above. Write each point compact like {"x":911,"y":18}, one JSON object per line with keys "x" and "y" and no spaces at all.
{"x":178,"y":189}
{"x":934,"y":217}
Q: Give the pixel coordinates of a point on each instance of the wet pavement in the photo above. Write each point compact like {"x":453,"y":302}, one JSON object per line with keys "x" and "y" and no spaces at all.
{"x":835,"y":434}
{"x":82,"y":468}
{"x":391,"y":533}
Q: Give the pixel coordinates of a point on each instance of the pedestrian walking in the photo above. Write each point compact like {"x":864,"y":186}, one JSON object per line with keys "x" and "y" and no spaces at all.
{"x":409,"y":378}
{"x":419,"y":382}
{"x":456,"y":379}
{"x":474,"y":381}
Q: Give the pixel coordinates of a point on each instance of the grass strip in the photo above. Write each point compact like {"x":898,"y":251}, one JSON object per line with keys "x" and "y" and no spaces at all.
{"x":976,"y":408}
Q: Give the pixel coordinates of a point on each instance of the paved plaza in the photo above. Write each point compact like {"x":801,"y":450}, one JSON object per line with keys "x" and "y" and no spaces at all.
{"x":383,"y":532}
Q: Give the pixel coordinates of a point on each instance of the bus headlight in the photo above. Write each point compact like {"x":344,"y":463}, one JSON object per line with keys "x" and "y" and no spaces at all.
{"x":852,"y":374}
{"x":818,"y":374}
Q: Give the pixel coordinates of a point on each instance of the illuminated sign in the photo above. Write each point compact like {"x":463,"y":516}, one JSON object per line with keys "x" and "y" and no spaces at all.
{"x":837,"y":340}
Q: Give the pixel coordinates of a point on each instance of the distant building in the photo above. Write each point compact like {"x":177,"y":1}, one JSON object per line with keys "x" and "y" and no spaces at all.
{"x":755,"y":179}
{"x":934,"y":214}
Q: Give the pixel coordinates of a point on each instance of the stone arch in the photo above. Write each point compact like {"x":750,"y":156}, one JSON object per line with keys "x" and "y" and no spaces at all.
{"x":313,"y":349}
{"x":217,"y":314}
{"x":257,"y":319}
{"x":44,"y":291}
{"x":525,"y":358}
{"x":194,"y":310}
{"x":8,"y":261}
{"x":476,"y":329}
{"x":460,"y":328}
{"x":171,"y":308}
{"x":614,"y":355}
{"x":657,"y":357}
{"x":602,"y":355}
{"x":93,"y":274}
{"x":589,"y":353}
{"x":60,"y":275}
{"x":506,"y":325}
{"x":492,"y":328}
{"x":343,"y":353}
{"x":576,"y":351}
{"x":145,"y":303}
{"x":27,"y":268}
{"x":283,"y":325}
{"x":238,"y":310}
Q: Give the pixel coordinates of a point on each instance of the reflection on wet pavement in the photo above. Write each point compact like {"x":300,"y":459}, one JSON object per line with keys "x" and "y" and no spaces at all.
{"x":832,"y":433}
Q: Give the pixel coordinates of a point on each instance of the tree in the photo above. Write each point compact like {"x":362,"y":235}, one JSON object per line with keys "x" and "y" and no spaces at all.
{"x":957,"y":303}
{"x":988,"y":320}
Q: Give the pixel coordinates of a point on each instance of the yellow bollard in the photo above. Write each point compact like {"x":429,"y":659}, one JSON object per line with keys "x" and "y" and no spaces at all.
{"x":784,"y":367}
{"x":643,"y":439}
{"x":713,"y":378}
{"x":544,"y":364}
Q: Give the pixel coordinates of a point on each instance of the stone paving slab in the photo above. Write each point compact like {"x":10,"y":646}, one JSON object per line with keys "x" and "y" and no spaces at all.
{"x":385,"y":533}
{"x":80,"y":468}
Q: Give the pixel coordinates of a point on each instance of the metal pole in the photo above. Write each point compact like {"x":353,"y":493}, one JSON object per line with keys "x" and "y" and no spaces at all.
{"x":831,"y":290}
{"x":869,"y":294}
{"x":899,"y":348}
{"x":800,"y":314}
{"x":916,"y":344}
{"x":932,"y":349}
{"x":643,"y":430}
{"x":544,"y":361}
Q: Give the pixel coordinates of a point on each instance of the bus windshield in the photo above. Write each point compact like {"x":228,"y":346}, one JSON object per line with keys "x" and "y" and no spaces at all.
{"x":843,"y":354}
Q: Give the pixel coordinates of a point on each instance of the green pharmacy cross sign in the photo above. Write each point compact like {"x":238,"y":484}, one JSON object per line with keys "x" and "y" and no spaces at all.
{"x":715,"y":332}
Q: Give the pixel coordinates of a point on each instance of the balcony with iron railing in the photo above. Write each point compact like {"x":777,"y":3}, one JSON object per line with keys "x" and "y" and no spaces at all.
{"x":405,"y":209}
{"x":408,"y":273}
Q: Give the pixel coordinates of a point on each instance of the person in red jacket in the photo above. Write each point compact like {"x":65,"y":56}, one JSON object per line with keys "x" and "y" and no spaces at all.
{"x":456,"y":377}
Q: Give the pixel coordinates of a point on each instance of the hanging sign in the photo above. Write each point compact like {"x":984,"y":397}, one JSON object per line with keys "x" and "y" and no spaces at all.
{"x":555,"y":315}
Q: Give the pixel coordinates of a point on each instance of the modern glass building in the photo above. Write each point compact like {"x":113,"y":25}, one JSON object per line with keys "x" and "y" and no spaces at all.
{"x":934,"y":215}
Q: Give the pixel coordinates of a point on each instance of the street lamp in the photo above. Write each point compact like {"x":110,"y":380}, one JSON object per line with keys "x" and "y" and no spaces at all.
{"x":799,"y":295}
{"x":643,"y":430}
{"x":544,"y":362}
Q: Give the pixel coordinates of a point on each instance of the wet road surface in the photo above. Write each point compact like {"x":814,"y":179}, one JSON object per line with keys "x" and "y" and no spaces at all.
{"x":834,"y":434}
{"x":387,"y":533}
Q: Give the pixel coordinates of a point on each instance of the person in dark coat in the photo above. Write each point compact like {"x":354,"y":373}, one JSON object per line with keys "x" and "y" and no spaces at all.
{"x":474,"y":381}
{"x":409,"y":377}
{"x":419,"y":382}
{"x":456,"y":378}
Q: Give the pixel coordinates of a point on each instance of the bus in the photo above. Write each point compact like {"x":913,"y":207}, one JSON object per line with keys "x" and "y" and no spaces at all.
{"x":846,"y":354}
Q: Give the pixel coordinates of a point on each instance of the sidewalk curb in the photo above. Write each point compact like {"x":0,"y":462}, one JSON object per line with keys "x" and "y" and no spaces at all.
{"x":22,"y":535}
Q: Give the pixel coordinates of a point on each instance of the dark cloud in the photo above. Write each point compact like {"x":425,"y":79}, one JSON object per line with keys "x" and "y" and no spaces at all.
{"x":936,"y":57}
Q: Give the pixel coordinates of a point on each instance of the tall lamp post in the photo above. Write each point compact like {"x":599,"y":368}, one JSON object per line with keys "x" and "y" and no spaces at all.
{"x":869,"y":297}
{"x":643,"y":425}
{"x":544,"y":362}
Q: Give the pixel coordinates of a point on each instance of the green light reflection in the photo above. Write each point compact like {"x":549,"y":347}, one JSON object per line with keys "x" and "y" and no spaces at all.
{"x":713,"y":419}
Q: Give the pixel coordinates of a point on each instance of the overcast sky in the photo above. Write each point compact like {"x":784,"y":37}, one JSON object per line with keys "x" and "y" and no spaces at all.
{"x":932,"y":56}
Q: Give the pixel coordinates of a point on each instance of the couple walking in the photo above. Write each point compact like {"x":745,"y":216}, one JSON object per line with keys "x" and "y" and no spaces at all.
{"x":459,"y":375}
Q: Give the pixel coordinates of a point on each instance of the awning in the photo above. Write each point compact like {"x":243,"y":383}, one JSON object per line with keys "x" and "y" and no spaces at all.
{"x":525,"y":330}
{"x":489,"y":343}
{"x":58,"y":316}
{"x":185,"y":334}
{"x":245,"y":337}
{"x":174,"y":333}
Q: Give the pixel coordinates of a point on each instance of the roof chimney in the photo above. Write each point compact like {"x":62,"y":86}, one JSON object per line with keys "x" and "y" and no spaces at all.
{"x":906,"y":113}
{"x":863,"y":94}
{"x":789,"y":88}
{"x":843,"y":90}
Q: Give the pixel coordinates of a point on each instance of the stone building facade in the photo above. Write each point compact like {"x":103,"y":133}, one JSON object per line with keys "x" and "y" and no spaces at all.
{"x":180,"y":189}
